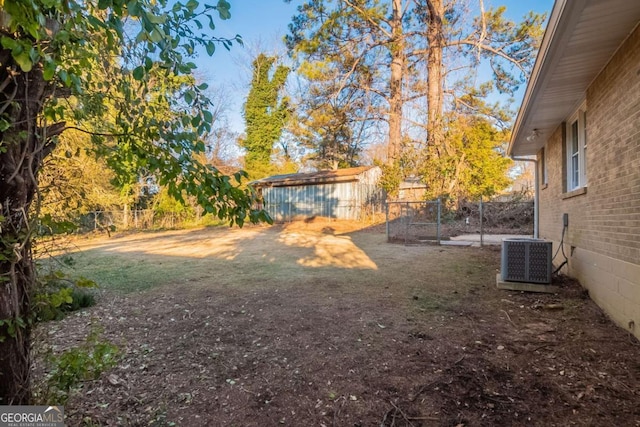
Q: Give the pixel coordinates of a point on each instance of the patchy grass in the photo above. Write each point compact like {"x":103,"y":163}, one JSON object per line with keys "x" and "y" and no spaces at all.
{"x":324,"y":326}
{"x":432,"y":303}
{"x":261,"y":259}
{"x":126,"y":274}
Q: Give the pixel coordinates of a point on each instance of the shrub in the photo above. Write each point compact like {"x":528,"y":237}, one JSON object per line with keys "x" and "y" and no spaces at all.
{"x":58,"y":294}
{"x":75,"y":365}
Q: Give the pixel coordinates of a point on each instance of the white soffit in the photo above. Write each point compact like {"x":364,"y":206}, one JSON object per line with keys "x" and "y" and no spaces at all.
{"x":580,"y":39}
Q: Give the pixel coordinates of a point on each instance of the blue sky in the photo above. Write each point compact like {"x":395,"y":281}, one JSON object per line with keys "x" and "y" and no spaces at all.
{"x":264,"y":23}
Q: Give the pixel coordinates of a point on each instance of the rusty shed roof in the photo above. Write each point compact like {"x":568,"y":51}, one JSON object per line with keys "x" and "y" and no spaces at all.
{"x":312,"y":178}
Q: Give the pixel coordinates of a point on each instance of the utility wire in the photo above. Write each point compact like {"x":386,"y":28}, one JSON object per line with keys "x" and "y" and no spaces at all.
{"x":560,"y":248}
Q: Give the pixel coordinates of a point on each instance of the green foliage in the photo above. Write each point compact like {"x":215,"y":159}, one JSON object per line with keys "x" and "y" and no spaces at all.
{"x":145,"y":109}
{"x":326,"y":127}
{"x":165,"y":203}
{"x":266,"y":113}
{"x":55,"y":295}
{"x":81,"y":298}
{"x":75,"y":182}
{"x":470,"y":164}
{"x":121,"y":72}
{"x":58,"y":294}
{"x":13,"y":327}
{"x":345,"y":88}
{"x":51,"y":226}
{"x":83,"y":363}
{"x":391,"y":176}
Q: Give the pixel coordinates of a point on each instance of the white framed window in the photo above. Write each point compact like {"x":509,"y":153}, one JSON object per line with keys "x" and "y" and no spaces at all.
{"x":577,"y":149}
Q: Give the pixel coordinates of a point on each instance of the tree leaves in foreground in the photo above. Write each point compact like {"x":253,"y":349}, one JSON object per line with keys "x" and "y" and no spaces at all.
{"x":96,"y":65}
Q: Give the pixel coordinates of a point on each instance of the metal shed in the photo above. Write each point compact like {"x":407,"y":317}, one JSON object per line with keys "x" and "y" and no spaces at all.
{"x":341,"y":194}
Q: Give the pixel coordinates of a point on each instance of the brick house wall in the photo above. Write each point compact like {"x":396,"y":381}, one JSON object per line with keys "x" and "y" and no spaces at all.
{"x":602,"y":241}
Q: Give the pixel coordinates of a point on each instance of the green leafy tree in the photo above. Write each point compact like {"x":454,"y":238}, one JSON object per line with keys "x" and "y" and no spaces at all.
{"x":265,"y":113}
{"x":473,"y":164}
{"x":104,"y":55}
{"x":73,"y":181}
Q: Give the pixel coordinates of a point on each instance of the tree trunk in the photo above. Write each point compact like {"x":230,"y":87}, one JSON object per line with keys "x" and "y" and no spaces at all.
{"x":435,"y":84}
{"x":23,"y":146}
{"x":18,"y":275}
{"x":397,"y":50}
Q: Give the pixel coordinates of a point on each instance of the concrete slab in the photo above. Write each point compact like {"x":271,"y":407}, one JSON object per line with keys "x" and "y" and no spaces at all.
{"x":526,"y":287}
{"x":455,"y":243}
{"x":474,"y":239}
{"x":488,"y":239}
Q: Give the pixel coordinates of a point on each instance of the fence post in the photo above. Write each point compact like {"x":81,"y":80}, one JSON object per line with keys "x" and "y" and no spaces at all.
{"x":438,"y":221}
{"x":125,"y":217}
{"x":406,"y":232}
{"x":386,"y":214}
{"x":481,"y":224}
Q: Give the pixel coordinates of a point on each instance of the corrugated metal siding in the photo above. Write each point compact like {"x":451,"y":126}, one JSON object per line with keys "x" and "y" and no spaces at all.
{"x":344,"y":200}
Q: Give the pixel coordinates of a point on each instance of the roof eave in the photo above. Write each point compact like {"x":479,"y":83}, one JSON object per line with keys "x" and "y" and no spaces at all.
{"x":580,"y":40}
{"x":540,"y":70}
{"x":355,"y":174}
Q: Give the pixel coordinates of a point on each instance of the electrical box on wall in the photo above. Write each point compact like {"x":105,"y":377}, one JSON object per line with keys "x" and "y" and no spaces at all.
{"x":565,"y":219}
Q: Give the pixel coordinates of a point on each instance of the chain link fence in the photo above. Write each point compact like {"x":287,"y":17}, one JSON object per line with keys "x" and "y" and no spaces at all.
{"x":411,"y":222}
{"x":414,"y":222}
{"x":407,"y":222}
{"x":143,"y":219}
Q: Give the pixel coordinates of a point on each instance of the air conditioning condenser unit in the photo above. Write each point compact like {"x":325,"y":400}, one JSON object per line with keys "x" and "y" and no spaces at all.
{"x":526,"y":260}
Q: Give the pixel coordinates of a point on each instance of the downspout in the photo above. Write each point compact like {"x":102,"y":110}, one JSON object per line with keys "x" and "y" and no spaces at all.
{"x":536,"y":197}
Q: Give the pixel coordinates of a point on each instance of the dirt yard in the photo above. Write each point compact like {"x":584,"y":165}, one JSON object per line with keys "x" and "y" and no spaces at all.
{"x":318,"y":324}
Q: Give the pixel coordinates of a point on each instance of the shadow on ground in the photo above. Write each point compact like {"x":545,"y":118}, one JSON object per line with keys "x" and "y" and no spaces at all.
{"x":321,"y":326}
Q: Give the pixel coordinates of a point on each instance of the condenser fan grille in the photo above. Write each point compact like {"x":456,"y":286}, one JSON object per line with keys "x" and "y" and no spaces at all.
{"x":526,"y":260}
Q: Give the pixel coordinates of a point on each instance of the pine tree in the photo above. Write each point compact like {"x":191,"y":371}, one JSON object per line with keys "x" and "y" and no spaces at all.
{"x":420,"y":59}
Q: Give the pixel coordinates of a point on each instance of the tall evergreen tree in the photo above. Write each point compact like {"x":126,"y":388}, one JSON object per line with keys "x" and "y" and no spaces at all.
{"x":328,"y":123}
{"x":364,"y":41}
{"x":423,"y":56}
